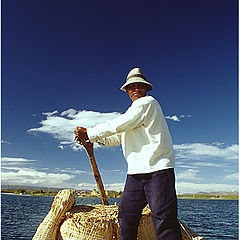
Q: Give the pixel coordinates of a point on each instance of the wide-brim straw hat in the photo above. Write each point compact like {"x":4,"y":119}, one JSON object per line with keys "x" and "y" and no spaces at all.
{"x":136,"y":76}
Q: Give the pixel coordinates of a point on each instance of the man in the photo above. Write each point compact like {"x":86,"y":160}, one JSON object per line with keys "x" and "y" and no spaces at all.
{"x":147,"y":146}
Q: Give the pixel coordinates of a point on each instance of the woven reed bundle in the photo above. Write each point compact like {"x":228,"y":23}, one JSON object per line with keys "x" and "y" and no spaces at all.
{"x":62,"y":202}
{"x":100,"y":222}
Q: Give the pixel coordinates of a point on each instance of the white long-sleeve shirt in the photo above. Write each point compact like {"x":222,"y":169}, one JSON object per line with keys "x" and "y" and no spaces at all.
{"x":143,"y":133}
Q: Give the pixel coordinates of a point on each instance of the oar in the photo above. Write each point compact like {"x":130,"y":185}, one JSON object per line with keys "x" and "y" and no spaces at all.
{"x":97,"y":176}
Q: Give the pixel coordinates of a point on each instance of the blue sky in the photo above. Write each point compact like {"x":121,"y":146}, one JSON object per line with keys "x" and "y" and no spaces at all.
{"x":63,"y":63}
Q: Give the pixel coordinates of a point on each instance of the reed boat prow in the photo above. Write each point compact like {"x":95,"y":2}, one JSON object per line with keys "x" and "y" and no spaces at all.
{"x":66,"y":221}
{"x":188,"y":234}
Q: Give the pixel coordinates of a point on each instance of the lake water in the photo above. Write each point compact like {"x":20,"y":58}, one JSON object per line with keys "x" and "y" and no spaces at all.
{"x":212,"y":219}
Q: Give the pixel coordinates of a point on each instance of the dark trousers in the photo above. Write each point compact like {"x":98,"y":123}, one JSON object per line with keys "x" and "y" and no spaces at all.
{"x":158,"y":190}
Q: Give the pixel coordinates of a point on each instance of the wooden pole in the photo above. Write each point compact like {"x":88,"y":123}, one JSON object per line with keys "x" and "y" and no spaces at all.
{"x":96,"y":174}
{"x":98,"y":179}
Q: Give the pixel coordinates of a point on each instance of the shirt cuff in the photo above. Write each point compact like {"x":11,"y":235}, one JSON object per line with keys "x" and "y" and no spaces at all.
{"x":92,"y":134}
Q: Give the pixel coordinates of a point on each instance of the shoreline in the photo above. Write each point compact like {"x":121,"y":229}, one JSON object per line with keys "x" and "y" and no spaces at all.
{"x":192,"y":197}
{"x":209,"y":197}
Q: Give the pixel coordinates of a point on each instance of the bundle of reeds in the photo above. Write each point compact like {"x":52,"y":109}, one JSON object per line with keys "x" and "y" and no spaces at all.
{"x":49,"y":226}
{"x":93,"y":222}
{"x":100,"y":222}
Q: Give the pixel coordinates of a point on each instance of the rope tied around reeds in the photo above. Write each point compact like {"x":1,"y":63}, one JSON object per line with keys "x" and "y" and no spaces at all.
{"x":92,"y":222}
{"x":63,"y":201}
{"x":100,"y":222}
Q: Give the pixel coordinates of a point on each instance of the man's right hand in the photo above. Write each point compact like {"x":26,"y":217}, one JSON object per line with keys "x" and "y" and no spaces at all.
{"x":81,"y":135}
{"x":82,"y":138}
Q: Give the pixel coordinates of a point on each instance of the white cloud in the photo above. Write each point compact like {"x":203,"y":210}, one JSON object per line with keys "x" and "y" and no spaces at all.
{"x":61,"y":126}
{"x":73,"y":171}
{"x":209,"y":164}
{"x":113,"y":186}
{"x":69,"y":113}
{"x":18,"y":171}
{"x":232,"y":176}
{"x":50,"y":113}
{"x":10,"y":168}
{"x":174,"y":118}
{"x":195,"y":158}
{"x":87,"y":186}
{"x":184,"y":116}
{"x":197,"y":164}
{"x":30,"y":176}
{"x":17,"y":159}
{"x":201,"y":150}
{"x":6,"y":161}
{"x":114,"y":171}
{"x":190,"y":174}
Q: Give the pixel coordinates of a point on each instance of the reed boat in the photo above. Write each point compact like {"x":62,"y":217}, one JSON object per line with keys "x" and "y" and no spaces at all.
{"x":67,"y":221}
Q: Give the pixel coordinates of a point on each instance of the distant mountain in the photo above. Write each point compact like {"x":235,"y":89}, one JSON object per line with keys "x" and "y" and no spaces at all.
{"x":30,"y":188}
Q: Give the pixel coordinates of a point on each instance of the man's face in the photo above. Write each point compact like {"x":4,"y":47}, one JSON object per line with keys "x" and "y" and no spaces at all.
{"x":136,"y":90}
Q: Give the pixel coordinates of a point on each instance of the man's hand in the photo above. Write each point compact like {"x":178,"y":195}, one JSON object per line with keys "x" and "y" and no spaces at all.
{"x":82,"y":138}
{"x":81,"y":135}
